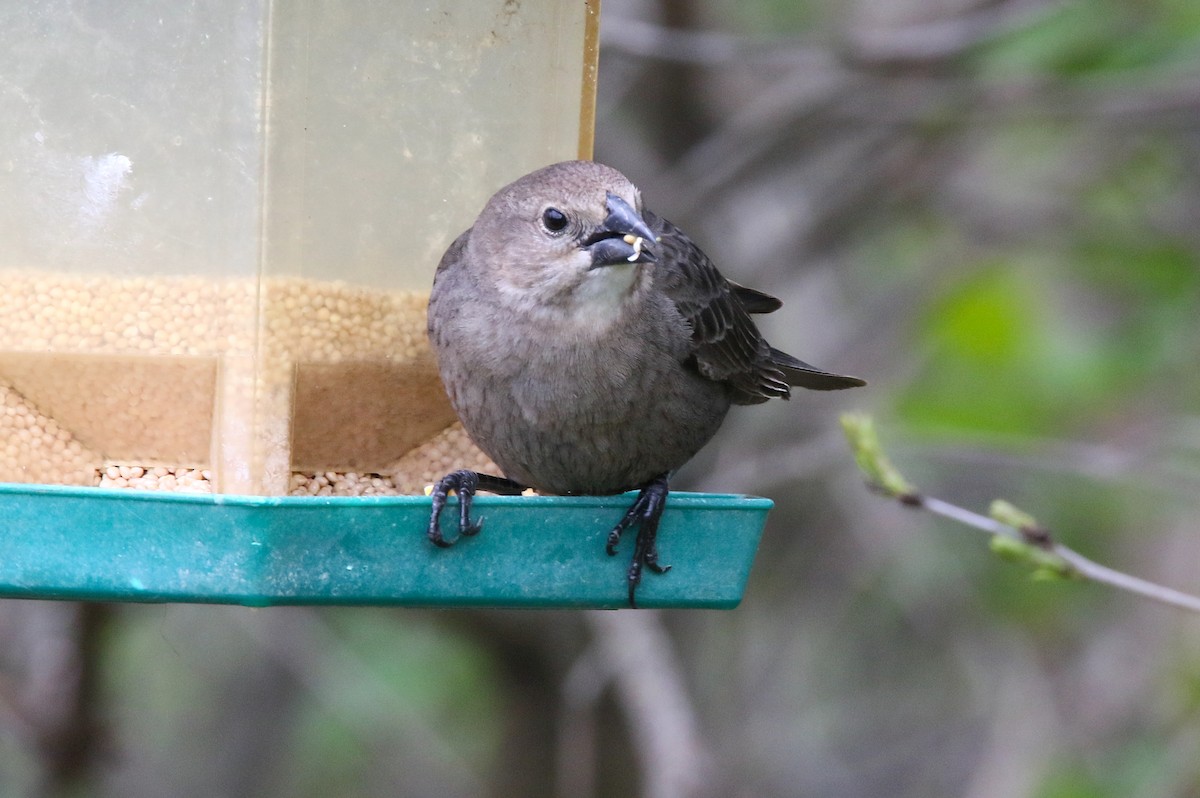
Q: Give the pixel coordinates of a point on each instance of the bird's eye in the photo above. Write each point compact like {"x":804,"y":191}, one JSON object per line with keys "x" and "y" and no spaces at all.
{"x":554,"y":220}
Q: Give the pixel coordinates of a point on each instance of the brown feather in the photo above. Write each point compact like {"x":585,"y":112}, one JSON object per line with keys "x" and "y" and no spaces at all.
{"x":728,"y":346}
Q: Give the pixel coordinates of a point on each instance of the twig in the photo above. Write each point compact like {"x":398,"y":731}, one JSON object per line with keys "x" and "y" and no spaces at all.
{"x":650,"y":686}
{"x":943,"y":37}
{"x":642,"y":39}
{"x":1015,"y":534}
{"x":577,"y":746}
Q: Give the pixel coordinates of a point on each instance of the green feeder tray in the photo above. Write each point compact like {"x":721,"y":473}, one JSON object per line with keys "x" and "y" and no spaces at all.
{"x":540,"y":551}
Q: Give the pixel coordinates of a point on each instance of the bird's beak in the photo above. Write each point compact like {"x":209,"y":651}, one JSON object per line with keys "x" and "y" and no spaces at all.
{"x":624,"y":237}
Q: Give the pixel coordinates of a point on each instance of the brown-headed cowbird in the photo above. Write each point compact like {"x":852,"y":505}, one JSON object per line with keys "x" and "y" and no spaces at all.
{"x":590,"y":347}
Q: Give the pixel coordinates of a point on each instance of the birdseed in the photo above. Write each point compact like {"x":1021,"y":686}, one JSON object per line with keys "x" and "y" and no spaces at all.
{"x":128,"y":382}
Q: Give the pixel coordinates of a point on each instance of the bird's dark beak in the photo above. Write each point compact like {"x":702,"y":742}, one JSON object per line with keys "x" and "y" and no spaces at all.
{"x":624,"y":237}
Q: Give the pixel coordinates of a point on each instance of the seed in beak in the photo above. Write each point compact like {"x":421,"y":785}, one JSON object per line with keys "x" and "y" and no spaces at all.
{"x":636,"y":242}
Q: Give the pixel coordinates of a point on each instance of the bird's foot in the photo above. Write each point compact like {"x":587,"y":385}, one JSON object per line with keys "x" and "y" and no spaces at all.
{"x":646,"y":512}
{"x":464,"y":483}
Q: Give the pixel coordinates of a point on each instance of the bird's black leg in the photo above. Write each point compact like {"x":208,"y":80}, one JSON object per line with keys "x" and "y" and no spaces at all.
{"x":464,"y":483}
{"x":646,"y":511}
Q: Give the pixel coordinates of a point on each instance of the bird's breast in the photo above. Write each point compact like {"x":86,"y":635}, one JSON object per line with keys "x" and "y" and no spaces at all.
{"x":584,"y":404}
{"x":604,"y":294}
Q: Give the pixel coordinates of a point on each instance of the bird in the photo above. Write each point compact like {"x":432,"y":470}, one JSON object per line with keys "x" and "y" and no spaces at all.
{"x":590,"y":347}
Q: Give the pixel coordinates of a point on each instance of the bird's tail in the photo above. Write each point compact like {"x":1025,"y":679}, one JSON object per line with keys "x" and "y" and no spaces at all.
{"x":802,"y":375}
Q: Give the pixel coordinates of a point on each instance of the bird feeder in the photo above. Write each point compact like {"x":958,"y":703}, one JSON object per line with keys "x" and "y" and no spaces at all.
{"x":220,"y":228}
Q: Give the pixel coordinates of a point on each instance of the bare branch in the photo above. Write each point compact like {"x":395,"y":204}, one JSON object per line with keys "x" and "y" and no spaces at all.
{"x":640,"y":659}
{"x":943,"y":37}
{"x":648,"y":40}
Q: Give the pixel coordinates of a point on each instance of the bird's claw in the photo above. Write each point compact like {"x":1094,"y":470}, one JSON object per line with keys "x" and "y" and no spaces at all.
{"x":631,"y":517}
{"x":651,"y":562}
{"x":614,"y":538}
{"x":462,"y":483}
{"x":646,"y":512}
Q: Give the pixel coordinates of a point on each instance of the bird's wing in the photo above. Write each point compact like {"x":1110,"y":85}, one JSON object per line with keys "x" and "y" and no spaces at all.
{"x":452,"y":258}
{"x":727,"y":345}
{"x":753,"y":300}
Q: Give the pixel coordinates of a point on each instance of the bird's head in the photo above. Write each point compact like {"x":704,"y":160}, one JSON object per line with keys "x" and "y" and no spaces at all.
{"x":569,"y":235}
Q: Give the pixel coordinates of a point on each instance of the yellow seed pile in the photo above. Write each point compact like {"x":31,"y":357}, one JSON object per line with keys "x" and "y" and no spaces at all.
{"x":335,"y":322}
{"x":348,"y":483}
{"x":289,"y":376}
{"x":183,"y":480}
{"x":161,"y":316}
{"x":34,"y":448}
{"x":446,"y":452}
{"x":347,"y":380}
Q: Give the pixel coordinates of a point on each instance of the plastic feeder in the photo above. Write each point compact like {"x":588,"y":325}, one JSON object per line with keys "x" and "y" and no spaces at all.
{"x":220,"y":225}
{"x":540,"y":551}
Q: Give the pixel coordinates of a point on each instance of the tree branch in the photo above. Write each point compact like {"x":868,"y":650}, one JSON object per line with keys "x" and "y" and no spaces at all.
{"x":1015,"y":534}
{"x":639,"y":658}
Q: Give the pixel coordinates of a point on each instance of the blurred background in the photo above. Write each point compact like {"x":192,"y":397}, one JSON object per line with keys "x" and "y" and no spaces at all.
{"x":989,"y":210}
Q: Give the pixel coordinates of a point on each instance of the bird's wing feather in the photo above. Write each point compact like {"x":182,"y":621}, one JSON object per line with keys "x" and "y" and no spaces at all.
{"x":753,"y":300}
{"x":727,"y":345}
